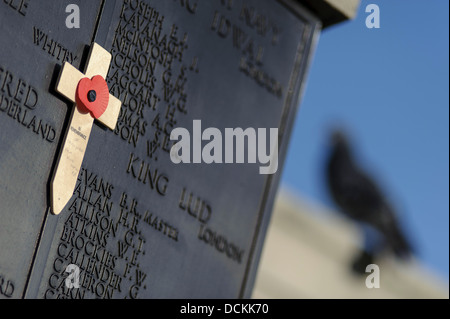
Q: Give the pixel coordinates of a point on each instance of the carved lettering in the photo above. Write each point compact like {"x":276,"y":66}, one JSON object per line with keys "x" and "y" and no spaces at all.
{"x":149,"y":73}
{"x":18,"y":100}
{"x":84,"y":239}
{"x":195,"y":206}
{"x":52,"y":47}
{"x":161,"y":226}
{"x":147,"y":174}
{"x":252,"y":49}
{"x":20,"y":6}
{"x":220,"y":243}
{"x":6,"y":287}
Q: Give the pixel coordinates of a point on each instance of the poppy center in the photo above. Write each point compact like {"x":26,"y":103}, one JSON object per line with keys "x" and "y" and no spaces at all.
{"x":92,"y":96}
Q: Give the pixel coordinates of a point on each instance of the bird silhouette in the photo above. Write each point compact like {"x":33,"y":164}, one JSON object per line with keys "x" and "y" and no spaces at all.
{"x":360,"y":198}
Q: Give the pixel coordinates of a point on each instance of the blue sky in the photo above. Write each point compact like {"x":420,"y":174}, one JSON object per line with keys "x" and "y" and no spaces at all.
{"x":389,"y":88}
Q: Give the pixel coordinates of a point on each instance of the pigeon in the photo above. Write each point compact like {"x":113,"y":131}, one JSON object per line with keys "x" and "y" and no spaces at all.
{"x":358,"y":197}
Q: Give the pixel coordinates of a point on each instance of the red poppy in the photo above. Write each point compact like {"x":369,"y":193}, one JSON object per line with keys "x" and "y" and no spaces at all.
{"x":93,"y":96}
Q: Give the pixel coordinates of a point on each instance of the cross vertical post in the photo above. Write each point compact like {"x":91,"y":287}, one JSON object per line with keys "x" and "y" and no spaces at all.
{"x":80,"y":126}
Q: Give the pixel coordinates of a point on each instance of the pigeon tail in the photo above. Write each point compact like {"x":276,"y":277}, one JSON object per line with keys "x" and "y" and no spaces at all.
{"x":396,"y":240}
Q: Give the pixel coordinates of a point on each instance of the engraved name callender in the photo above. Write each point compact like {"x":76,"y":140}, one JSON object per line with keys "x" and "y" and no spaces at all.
{"x":103,"y":238}
{"x":109,"y":229}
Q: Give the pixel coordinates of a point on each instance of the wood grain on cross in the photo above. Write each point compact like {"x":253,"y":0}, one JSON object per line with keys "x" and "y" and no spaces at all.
{"x":80,"y":126}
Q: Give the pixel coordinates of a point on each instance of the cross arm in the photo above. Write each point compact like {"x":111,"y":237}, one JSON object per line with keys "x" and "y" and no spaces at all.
{"x":68,"y":81}
{"x":67,"y":86}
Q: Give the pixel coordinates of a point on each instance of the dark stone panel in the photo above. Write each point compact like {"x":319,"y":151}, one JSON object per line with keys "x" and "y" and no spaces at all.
{"x":138,"y":225}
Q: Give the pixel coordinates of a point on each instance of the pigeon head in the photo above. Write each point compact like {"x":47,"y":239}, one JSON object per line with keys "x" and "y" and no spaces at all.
{"x":339,"y":146}
{"x":339,"y":139}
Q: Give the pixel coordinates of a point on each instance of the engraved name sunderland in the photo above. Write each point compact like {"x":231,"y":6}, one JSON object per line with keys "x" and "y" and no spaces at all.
{"x":19,"y":101}
{"x":106,"y":230}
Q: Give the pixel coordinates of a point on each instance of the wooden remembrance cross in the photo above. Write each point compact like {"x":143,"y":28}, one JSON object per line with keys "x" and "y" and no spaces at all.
{"x":90,"y":93}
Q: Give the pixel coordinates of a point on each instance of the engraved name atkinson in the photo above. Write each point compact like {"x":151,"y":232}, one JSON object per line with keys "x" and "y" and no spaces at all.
{"x":106,"y":228}
{"x":97,"y":223}
{"x":18,"y":101}
{"x":104,"y":239}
